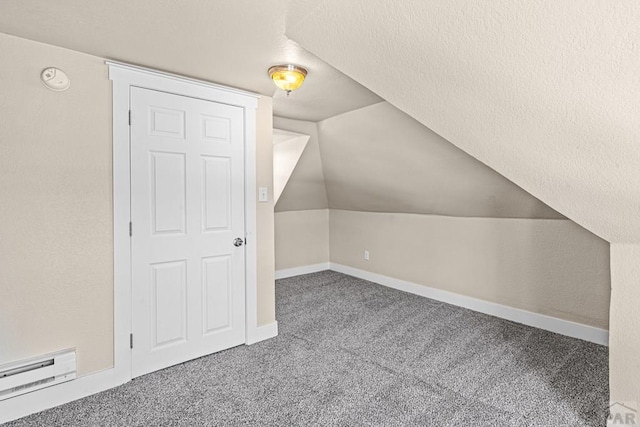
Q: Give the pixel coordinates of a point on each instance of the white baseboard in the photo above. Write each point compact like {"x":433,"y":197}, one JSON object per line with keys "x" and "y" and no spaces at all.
{"x":297,"y":271}
{"x":39,"y":400}
{"x":553,"y":324}
{"x":262,"y":333}
{"x":59,"y":394}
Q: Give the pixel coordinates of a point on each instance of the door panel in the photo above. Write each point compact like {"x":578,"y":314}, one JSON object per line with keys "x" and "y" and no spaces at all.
{"x":216,"y":198}
{"x":168,"y":192}
{"x":168,"y":299}
{"x":217,"y":294}
{"x":166,"y":122}
{"x":187,"y":207}
{"x":216,"y":129}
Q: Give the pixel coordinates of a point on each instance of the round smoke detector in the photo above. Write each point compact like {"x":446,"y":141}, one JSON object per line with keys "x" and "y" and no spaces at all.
{"x":55,"y":79}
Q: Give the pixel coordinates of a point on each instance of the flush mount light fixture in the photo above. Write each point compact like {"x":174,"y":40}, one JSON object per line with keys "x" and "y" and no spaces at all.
{"x":287,"y":77}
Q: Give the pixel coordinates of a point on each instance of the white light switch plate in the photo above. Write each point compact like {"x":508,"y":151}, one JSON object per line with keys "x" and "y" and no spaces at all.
{"x":263,"y":195}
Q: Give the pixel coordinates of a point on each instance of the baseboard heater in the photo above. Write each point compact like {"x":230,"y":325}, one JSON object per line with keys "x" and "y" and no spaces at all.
{"x":35,"y":373}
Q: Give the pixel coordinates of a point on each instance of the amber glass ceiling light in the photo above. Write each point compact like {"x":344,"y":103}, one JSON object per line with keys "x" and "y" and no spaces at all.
{"x":287,"y":77}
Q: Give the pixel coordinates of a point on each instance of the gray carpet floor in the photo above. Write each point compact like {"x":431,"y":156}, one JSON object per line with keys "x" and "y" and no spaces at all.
{"x":351,"y":353}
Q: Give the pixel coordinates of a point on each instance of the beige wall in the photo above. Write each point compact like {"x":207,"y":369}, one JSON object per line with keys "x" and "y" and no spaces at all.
{"x":496,"y":242}
{"x":302,"y":217}
{"x":265,"y":228}
{"x":302,"y":238}
{"x":551,"y":267}
{"x":624,"y":337}
{"x":306,"y":188}
{"x":56,"y":244}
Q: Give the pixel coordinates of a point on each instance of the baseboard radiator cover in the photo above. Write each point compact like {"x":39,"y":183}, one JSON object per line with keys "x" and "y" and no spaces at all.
{"x":32,"y":374}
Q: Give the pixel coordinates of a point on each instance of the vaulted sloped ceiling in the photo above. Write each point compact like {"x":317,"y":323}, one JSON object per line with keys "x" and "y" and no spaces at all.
{"x":305,"y":189}
{"x":287,"y":150}
{"x":379,"y":159}
{"x":228,"y":42}
{"x":547,"y":93}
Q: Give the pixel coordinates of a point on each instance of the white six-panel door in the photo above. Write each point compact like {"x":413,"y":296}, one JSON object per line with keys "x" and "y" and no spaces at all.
{"x":187,"y":208}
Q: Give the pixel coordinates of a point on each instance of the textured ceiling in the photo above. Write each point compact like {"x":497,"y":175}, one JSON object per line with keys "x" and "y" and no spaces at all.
{"x":379,"y":159}
{"x":547,"y":93}
{"x":227,"y":42}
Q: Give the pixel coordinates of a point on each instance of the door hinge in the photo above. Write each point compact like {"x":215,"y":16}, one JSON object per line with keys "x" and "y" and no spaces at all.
{"x":130,"y":229}
{"x":130,"y":340}
{"x":129,"y":117}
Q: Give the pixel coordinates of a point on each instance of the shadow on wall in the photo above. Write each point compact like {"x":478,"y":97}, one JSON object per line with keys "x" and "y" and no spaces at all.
{"x":564,"y":261}
{"x":379,"y":159}
{"x":287,"y":149}
{"x":549,"y":267}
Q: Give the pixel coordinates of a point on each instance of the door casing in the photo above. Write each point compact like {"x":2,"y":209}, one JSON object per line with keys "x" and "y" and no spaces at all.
{"x":124,"y":77}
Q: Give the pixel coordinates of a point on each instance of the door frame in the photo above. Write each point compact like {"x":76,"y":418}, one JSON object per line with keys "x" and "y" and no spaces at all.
{"x":125,"y":76}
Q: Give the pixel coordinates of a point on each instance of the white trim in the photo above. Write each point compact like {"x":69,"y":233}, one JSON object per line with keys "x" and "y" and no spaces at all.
{"x":121,"y":238}
{"x":125,"y":76}
{"x":305,"y":269}
{"x":164,"y":75}
{"x":251,"y":248}
{"x":39,"y":400}
{"x":264,"y":332}
{"x":553,"y":324}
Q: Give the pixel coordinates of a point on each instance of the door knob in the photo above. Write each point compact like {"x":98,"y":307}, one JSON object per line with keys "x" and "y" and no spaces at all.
{"x":238,"y":242}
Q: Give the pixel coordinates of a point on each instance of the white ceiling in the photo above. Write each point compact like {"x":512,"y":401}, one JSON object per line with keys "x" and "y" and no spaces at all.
{"x":378,"y":159}
{"x":547,"y":93}
{"x":227,"y":42}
